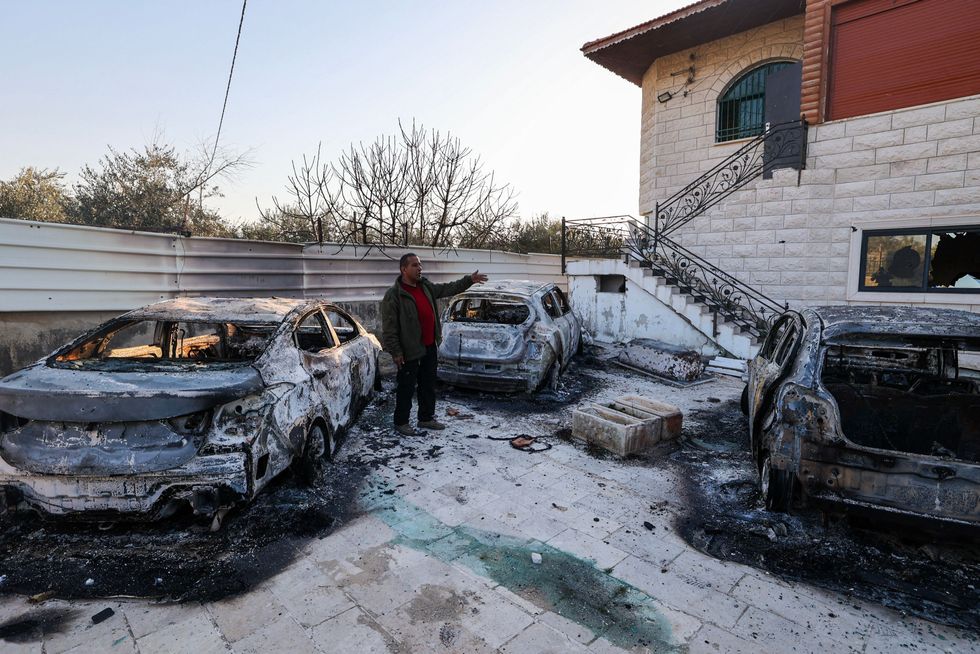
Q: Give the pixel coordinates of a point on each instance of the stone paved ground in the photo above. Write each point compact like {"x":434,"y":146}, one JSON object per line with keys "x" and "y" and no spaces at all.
{"x":439,"y":560}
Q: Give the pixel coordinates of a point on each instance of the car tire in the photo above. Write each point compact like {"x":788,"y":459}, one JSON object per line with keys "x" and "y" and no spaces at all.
{"x":745,"y":400}
{"x":320,"y":447}
{"x":775,"y":486}
{"x":553,"y":376}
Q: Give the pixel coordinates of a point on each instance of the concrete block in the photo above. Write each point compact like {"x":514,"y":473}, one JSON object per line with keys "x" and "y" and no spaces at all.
{"x":663,"y":359}
{"x":627,"y":425}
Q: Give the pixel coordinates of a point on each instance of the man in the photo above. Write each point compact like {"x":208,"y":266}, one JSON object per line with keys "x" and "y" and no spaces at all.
{"x":410,"y":333}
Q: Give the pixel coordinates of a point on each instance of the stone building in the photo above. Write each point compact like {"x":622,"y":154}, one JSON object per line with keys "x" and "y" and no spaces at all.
{"x":881,"y":206}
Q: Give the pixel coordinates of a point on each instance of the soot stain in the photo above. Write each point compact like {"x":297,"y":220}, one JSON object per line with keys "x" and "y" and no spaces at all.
{"x":723,"y":516}
{"x":180,"y":560}
{"x":33,"y":625}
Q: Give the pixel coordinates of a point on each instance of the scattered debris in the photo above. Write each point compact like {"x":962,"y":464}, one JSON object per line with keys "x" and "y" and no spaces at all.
{"x":535,"y":558}
{"x":649,"y":526}
{"x":41,"y":597}
{"x":103,"y":615}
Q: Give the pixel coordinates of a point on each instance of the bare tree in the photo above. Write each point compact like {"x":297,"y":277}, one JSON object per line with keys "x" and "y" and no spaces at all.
{"x":312,"y":212}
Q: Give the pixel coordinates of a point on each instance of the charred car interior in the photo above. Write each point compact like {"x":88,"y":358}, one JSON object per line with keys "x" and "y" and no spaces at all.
{"x":190,"y":403}
{"x":870,"y":409}
{"x":510,"y":336}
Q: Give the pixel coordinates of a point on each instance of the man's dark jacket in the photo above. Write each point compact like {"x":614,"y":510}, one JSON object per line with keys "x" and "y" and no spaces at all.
{"x":401,"y":334}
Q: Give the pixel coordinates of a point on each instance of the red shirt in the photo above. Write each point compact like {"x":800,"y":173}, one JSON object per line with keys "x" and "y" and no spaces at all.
{"x":427,"y":316}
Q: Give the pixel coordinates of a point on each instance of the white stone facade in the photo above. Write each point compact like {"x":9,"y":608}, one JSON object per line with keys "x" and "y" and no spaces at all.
{"x":913,"y":167}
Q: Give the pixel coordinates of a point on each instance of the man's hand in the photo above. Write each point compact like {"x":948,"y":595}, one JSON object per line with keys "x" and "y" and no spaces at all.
{"x":399,"y":360}
{"x":478,"y":277}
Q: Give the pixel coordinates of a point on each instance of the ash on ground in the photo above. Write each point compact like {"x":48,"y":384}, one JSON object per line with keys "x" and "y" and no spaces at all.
{"x":723,"y":516}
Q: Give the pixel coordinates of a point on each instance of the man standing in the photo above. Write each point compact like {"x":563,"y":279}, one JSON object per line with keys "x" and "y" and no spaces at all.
{"x":410,"y":333}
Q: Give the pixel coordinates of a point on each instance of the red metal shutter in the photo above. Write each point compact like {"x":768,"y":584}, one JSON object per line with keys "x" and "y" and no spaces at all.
{"x":888,"y":54}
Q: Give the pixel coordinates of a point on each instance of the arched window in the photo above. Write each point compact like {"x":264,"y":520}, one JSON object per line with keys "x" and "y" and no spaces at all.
{"x":740,"y":108}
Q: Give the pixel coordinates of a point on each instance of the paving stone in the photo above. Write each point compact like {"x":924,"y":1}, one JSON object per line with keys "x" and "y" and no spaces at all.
{"x":239,"y":616}
{"x":697,"y":599}
{"x":197,"y":634}
{"x":569,"y":628}
{"x":146,"y":618}
{"x":542,"y":639}
{"x":586,"y":547}
{"x":280,"y":635}
{"x":712,"y":640}
{"x":353,"y":631}
{"x":771,"y":629}
{"x":78,"y":630}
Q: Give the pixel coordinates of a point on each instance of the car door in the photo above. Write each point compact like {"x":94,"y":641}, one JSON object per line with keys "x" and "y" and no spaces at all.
{"x":326,"y":363}
{"x":357,"y":353}
{"x":574,"y":326}
{"x":771,"y":365}
{"x":561,"y":337}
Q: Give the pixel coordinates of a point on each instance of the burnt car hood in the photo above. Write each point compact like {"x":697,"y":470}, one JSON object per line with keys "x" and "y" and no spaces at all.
{"x":484,"y":342}
{"x":41,"y":392}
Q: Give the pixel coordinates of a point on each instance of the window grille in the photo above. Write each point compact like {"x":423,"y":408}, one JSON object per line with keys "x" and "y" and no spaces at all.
{"x":741,"y":108}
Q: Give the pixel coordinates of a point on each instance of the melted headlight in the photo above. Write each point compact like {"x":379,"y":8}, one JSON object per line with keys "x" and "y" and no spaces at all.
{"x":191,"y":424}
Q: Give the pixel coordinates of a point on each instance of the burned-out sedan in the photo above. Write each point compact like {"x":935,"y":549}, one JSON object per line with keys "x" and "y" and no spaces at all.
{"x":508,"y":335}
{"x":871,"y":409}
{"x":195,"y":402}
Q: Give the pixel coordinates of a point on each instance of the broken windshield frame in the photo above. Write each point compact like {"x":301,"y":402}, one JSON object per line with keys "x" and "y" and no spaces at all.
{"x":147,"y":344}
{"x":486,"y":310}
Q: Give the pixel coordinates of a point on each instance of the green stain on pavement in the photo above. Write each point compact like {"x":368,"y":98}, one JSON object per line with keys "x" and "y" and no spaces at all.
{"x":564,"y":584}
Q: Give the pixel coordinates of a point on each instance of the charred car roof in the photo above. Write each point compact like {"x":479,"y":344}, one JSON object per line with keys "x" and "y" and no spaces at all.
{"x":230,"y":309}
{"x":519,"y":287}
{"x":849,"y":321}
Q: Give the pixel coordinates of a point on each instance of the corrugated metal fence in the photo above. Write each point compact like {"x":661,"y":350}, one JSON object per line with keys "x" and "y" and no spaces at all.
{"x":52,"y":267}
{"x":57,"y":281}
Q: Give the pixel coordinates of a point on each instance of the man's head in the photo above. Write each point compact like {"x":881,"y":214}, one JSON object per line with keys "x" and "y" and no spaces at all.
{"x":411,"y":268}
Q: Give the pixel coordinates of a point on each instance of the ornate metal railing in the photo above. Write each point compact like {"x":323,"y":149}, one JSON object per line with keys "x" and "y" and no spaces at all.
{"x":725,"y":296}
{"x":782,"y":145}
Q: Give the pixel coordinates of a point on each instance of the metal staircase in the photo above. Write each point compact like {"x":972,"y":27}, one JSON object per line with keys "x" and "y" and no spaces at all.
{"x":727,"y":299}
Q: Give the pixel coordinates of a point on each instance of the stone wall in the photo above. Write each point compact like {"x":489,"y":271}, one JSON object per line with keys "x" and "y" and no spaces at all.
{"x":797,"y":238}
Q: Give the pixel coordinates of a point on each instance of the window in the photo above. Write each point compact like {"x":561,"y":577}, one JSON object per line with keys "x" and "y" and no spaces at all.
{"x":312,"y":334}
{"x":503,"y":312}
{"x":611,"y":283}
{"x":562,"y":301}
{"x":343,"y":325}
{"x":940,"y":259}
{"x":741,"y":109}
{"x":551,"y":305}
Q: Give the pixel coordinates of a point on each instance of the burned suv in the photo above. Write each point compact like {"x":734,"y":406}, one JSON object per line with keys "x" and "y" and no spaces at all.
{"x":870,"y":408}
{"x":195,"y":402}
{"x":508,"y":335}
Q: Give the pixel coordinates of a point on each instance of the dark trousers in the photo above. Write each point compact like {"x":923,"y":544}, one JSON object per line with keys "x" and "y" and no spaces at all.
{"x":419,"y":374}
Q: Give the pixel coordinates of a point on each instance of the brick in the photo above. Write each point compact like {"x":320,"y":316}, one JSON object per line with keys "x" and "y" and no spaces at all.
{"x":844,"y":204}
{"x":916,"y":134}
{"x":914,"y":167}
{"x":768,"y":194}
{"x":938,"y":181}
{"x":830,"y":146}
{"x":769,"y":222}
{"x":776,"y":208}
{"x":879,"y":139}
{"x":951,"y":129}
{"x":906,"y":152}
{"x":784,"y":263}
{"x":871,"y":203}
{"x":818,"y":176}
{"x":921,"y":116}
{"x":894,"y":185}
{"x":947,"y":163}
{"x":963,"y":109}
{"x":794,"y":220}
{"x":758,"y":263}
{"x":862,"y":173}
{"x":769,"y":249}
{"x":743,"y":223}
{"x":868,"y":125}
{"x":852,"y":189}
{"x":721,"y":225}
{"x":764,"y":277}
{"x":744,"y":250}
{"x":760,"y":236}
{"x":966,"y":195}
{"x":846,"y":159}
{"x":793,"y":235}
{"x":716,"y":251}
{"x":959,"y":144}
{"x":734,"y":237}
{"x":907,"y":200}
{"x":828,"y":131}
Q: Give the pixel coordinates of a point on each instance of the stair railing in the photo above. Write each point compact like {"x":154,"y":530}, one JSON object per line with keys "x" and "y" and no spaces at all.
{"x":781,"y":145}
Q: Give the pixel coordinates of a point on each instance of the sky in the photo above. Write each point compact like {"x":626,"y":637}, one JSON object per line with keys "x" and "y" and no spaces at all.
{"x":506,"y":77}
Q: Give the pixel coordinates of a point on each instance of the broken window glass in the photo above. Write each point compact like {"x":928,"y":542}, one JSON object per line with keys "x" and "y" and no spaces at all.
{"x":954,"y":260}
{"x":894,"y":261}
{"x":152,"y":341}
{"x":484,"y":310}
{"x":923,"y":260}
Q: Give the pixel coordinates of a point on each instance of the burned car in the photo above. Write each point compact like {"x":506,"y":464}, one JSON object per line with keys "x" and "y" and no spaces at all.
{"x":195,"y":402}
{"x":508,"y":336}
{"x":870,"y":410}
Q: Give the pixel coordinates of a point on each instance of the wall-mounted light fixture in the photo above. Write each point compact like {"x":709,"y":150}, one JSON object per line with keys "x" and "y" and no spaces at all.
{"x":664,"y":97}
